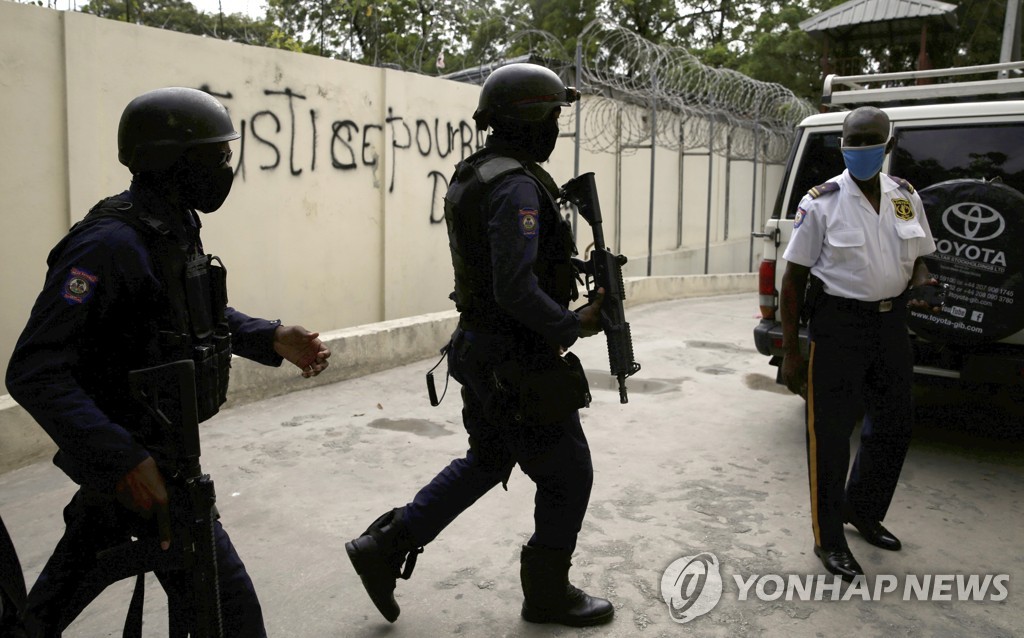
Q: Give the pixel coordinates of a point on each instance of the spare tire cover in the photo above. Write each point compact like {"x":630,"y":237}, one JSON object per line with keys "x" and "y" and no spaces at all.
{"x":978,"y":228}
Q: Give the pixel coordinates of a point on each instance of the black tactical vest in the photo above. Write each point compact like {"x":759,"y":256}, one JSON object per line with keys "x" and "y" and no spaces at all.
{"x":466,"y":216}
{"x":191,"y":323}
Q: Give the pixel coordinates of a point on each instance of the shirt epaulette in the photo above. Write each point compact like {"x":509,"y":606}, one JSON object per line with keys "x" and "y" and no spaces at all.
{"x":904,"y":184}
{"x":823,"y":189}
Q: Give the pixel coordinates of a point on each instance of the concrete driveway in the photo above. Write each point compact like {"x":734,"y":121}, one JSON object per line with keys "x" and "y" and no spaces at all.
{"x":707,"y":456}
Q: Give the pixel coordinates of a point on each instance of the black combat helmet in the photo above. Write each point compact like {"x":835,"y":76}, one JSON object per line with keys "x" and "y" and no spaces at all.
{"x":158,"y":126}
{"x":522,"y":92}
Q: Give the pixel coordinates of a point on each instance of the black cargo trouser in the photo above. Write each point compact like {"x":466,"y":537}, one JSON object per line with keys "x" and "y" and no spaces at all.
{"x":555,"y":456}
{"x":860,"y":362}
{"x":96,"y":522}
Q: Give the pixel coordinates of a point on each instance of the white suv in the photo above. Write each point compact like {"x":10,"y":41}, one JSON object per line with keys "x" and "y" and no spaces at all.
{"x":961,"y":145}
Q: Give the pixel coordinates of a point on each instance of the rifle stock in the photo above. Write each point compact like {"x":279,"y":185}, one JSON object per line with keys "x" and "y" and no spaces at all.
{"x":605,"y":269}
{"x":169,"y":394}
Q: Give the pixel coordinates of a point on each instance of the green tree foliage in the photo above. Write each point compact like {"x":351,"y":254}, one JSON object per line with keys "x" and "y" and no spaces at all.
{"x":764,"y":41}
{"x":181,"y":15}
{"x":563,"y":20}
{"x":777,"y":38}
{"x":977,"y":40}
{"x":775,"y":49}
{"x":421,"y":35}
{"x":651,"y":20}
{"x":760,"y":38}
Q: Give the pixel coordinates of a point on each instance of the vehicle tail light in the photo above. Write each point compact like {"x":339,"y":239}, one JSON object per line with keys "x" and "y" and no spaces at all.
{"x":766,"y":288}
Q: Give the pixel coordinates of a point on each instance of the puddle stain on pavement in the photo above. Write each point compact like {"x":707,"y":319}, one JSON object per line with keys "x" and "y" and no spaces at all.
{"x":419,"y":427}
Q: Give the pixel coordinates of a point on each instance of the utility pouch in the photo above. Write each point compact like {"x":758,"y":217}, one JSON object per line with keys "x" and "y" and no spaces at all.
{"x":542,"y":390}
{"x":218,"y":288}
{"x":212,"y":362}
{"x":222,"y":348}
{"x":198,"y":297}
{"x":206,"y":294}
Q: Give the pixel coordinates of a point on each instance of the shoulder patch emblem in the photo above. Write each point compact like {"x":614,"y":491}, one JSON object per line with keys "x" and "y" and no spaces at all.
{"x":903,"y":209}
{"x":799,"y":219}
{"x":904,"y":184}
{"x":823,"y":189}
{"x":529,"y":222}
{"x":79,"y":286}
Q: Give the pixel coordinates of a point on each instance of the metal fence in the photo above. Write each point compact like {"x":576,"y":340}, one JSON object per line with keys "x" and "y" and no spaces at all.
{"x":640,"y":95}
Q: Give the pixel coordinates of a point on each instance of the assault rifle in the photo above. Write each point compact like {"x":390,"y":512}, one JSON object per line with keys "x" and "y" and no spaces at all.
{"x":604,"y":269}
{"x":169,"y":394}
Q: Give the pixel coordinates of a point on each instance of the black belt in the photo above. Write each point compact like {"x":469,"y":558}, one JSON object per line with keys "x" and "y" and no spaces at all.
{"x":869,"y":307}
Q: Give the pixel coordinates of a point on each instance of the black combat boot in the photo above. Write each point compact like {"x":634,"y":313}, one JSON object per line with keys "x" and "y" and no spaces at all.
{"x":550,"y":598}
{"x":378,"y":556}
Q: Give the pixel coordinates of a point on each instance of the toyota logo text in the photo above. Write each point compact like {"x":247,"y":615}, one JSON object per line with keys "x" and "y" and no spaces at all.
{"x":973,"y":221}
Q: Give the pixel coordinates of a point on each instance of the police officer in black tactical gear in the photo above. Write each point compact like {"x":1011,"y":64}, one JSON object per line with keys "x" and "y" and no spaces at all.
{"x":514,"y":280}
{"x":128,"y":288}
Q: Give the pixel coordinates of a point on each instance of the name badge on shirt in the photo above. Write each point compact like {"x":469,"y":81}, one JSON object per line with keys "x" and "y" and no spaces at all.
{"x":903,"y":209}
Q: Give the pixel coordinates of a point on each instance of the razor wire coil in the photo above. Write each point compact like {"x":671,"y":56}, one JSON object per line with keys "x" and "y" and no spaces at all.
{"x":628,"y":81}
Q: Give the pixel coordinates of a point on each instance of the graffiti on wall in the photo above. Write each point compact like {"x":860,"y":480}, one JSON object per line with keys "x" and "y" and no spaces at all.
{"x":290,"y":133}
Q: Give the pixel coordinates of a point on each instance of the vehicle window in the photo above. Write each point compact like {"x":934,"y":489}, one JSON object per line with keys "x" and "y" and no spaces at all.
{"x":926,"y":156}
{"x":822,"y":160}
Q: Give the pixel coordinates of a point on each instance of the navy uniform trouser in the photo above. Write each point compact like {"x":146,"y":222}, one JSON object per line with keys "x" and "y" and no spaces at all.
{"x":860,"y":362}
{"x":94,"y":523}
{"x":12,"y":582}
{"x":556,"y":457}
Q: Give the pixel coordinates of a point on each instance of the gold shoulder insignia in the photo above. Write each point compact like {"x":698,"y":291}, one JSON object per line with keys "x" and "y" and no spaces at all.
{"x":823,"y":189}
{"x":904,"y":184}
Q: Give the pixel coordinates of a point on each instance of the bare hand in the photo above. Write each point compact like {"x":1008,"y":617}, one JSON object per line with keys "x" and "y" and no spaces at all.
{"x":303,"y":348}
{"x":794,"y":374}
{"x":143,"y":491}
{"x":920,"y":304}
{"x":590,"y":315}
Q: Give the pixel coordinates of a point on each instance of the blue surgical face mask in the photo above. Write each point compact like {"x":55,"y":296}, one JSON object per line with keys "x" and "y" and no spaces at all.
{"x":864,"y":162}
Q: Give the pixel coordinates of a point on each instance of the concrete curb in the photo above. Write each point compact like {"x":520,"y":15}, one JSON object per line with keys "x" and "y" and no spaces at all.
{"x":355,"y":352}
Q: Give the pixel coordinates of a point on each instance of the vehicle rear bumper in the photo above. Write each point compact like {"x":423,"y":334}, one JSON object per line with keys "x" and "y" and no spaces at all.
{"x":768,"y":339}
{"x":989,"y":364}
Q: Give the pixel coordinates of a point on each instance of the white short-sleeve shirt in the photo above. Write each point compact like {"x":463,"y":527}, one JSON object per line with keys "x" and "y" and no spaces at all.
{"x":857,"y":253}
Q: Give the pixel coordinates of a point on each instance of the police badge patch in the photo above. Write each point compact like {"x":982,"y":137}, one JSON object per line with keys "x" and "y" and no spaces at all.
{"x":799,"y":219}
{"x":79,"y":286}
{"x":529,"y":222}
{"x":903,"y":209}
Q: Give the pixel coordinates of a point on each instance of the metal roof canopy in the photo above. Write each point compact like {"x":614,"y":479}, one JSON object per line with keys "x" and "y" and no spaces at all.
{"x":873,"y":19}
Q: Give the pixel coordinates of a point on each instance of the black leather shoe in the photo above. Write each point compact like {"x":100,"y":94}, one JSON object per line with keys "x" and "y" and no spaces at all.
{"x":839,"y":562}
{"x":874,"y":533}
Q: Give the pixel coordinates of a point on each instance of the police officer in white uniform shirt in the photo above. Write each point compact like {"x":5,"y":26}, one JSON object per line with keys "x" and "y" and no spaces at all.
{"x":859,"y":239}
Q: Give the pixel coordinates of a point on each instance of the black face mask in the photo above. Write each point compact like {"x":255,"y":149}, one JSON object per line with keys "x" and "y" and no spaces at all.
{"x":204,"y":188}
{"x":536,"y":139}
{"x":544,"y":139}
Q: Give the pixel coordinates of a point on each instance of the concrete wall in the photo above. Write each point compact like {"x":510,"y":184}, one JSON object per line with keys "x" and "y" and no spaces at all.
{"x":335,"y":220}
